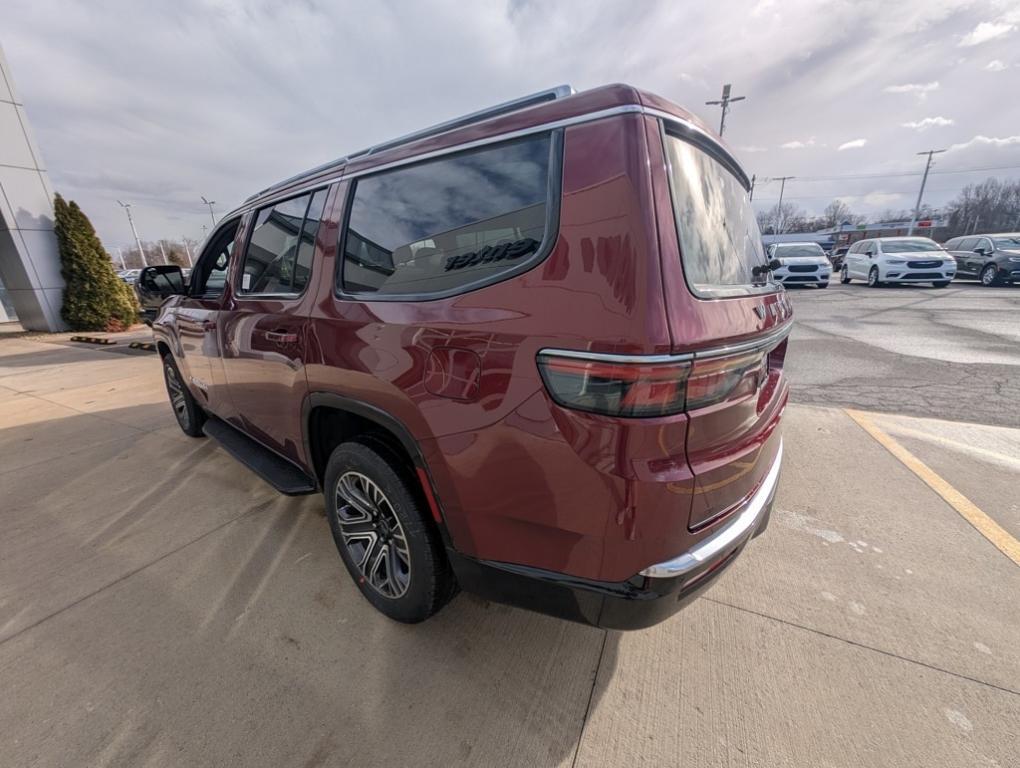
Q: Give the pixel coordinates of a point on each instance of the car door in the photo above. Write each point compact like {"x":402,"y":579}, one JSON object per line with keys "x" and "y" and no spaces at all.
{"x":856,"y":259}
{"x":964,"y":255}
{"x":981,"y":254}
{"x":198,"y":321}
{"x":266,"y":318}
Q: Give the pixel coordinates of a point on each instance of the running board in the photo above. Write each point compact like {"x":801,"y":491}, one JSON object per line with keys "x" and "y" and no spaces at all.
{"x":274,"y":469}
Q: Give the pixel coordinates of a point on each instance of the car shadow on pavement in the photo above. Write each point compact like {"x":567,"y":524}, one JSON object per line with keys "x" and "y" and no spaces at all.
{"x":164,"y":604}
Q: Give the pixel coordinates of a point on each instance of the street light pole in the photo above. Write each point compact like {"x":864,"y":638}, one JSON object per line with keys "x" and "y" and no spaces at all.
{"x":187,"y":250}
{"x":210,"y":203}
{"x":724,"y":102}
{"x":138,"y":240}
{"x":920,"y":194}
{"x":779,"y":207}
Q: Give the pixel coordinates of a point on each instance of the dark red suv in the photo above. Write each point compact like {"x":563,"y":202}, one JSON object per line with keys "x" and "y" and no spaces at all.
{"x":535,"y":353}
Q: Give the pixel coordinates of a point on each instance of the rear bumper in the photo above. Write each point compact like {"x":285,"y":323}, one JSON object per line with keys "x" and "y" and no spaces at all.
{"x":649,"y":597}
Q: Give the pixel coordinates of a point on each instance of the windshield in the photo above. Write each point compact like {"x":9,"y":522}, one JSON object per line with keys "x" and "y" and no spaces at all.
{"x":786,"y":251}
{"x":720,"y":243}
{"x":1008,"y":243}
{"x":909,"y":246}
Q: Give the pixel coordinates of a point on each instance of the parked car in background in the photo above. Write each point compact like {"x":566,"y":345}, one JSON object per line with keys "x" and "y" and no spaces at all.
{"x":521,"y":353}
{"x":898,"y":260}
{"x":992,"y":259}
{"x":837,"y":256}
{"x":129,"y":276}
{"x":800,"y":264}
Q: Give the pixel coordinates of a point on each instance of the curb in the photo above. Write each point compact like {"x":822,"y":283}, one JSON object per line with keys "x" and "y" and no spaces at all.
{"x":92,"y":340}
{"x":148,"y":346}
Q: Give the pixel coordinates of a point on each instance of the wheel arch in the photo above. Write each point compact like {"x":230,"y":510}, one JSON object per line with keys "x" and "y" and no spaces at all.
{"x":329,"y":419}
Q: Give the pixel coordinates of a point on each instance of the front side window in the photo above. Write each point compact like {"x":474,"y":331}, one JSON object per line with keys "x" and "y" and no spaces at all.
{"x":210,"y":274}
{"x":720,"y":243}
{"x":278,"y":258}
{"x":910,"y":246}
{"x":446,"y":225}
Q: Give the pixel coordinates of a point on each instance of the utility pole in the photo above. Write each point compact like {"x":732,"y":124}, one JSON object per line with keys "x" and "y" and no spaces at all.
{"x":210,"y":203}
{"x":138,"y":240}
{"x":187,"y":250}
{"x":779,"y":208}
{"x":163,"y":251}
{"x":920,"y":194}
{"x":120,"y":255}
{"x":724,"y":102}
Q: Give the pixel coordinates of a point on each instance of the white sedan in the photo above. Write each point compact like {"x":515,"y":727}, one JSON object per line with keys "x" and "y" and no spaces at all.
{"x":800,"y":264}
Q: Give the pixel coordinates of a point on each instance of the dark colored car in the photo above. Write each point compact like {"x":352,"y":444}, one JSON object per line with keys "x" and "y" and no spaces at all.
{"x":992,"y":259}
{"x":837,"y":255}
{"x":535,"y":353}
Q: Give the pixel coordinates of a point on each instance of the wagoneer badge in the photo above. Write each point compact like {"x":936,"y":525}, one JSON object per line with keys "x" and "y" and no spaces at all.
{"x":759,"y":309}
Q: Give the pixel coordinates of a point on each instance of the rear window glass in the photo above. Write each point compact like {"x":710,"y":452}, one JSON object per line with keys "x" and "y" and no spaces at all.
{"x":798,"y":250}
{"x":909,"y":246}
{"x":720,"y":242}
{"x":449,"y":224}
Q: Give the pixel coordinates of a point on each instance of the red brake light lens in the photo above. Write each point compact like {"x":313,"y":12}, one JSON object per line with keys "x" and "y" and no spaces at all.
{"x":632,"y":387}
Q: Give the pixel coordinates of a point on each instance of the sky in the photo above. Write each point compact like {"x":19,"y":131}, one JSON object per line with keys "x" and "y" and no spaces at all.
{"x":159,"y":104}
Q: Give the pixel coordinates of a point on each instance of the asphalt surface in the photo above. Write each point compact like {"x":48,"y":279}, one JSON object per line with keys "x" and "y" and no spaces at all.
{"x":950,"y":353}
{"x":159,"y":605}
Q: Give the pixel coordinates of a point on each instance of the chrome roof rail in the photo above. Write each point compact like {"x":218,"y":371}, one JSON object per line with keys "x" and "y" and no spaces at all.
{"x":514,"y":105}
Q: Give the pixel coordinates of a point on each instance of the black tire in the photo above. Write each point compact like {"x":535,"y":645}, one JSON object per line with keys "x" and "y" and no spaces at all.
{"x":873,"y":280}
{"x":823,"y":285}
{"x":844,"y":276}
{"x":941,"y":283}
{"x":989,"y":275}
{"x":189,"y":414}
{"x":388,"y":531}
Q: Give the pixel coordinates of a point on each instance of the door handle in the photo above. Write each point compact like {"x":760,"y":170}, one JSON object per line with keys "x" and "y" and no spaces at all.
{"x":281,"y":337}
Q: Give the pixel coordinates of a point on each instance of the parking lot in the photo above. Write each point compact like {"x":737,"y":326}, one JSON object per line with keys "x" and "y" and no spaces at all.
{"x":159,"y":605}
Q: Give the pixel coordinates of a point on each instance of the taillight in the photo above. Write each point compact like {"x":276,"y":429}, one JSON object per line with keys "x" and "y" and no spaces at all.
{"x":620,"y":385}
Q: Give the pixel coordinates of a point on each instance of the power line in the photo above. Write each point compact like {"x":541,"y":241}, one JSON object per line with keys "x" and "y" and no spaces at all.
{"x":724,"y":102}
{"x":904,"y":174}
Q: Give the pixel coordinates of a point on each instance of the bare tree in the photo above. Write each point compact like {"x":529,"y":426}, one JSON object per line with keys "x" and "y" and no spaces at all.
{"x":991,"y":206}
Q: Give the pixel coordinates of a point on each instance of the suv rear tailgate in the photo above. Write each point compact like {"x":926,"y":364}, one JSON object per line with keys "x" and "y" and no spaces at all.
{"x":737,"y":337}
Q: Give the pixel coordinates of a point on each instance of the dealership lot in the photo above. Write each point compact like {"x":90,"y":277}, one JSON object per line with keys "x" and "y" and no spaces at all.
{"x":160,"y":605}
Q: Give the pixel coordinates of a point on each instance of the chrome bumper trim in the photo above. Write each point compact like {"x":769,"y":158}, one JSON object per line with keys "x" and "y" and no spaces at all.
{"x":743,"y":525}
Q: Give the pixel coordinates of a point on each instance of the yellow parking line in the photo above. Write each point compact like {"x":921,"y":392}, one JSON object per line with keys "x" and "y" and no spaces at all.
{"x":969,"y":511}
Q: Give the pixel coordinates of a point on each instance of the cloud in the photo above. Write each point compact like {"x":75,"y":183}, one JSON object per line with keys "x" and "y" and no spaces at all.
{"x":988,"y":141}
{"x":921,"y":90}
{"x":752,"y":148}
{"x":854,"y":144}
{"x":985,"y":31}
{"x":996,"y":66}
{"x":879,"y":199}
{"x":928,"y":122}
{"x":798,"y":144}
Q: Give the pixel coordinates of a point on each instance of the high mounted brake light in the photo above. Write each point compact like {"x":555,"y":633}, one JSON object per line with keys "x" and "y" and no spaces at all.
{"x":643,"y":387}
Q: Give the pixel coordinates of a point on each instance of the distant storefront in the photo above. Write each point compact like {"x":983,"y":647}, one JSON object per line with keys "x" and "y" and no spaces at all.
{"x":846,"y":234}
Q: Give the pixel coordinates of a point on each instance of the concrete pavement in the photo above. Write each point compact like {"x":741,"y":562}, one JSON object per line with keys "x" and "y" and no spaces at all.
{"x":159,"y":605}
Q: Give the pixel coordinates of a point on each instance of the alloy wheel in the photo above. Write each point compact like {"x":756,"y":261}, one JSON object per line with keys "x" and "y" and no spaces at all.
{"x":988,"y":275}
{"x":373,"y":535}
{"x":177,"y":396}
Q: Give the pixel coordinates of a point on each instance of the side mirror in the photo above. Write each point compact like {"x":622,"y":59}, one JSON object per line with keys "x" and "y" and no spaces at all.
{"x":981,"y":251}
{"x":160,"y":281}
{"x":869,"y":254}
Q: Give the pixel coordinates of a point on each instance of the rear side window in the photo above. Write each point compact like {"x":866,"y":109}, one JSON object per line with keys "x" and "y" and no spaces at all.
{"x":720,"y":242}
{"x":279,"y":254}
{"x":451,"y":224}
